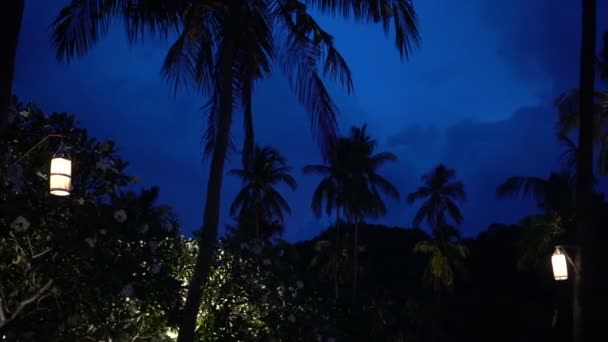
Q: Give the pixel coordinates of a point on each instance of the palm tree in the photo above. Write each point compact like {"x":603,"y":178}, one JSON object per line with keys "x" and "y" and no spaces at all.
{"x":352,"y":182}
{"x":583,"y":307}
{"x":555,"y":197}
{"x":446,"y":256}
{"x":441,"y":192}
{"x":258,"y":199}
{"x":11,"y":15}
{"x":223,"y":48}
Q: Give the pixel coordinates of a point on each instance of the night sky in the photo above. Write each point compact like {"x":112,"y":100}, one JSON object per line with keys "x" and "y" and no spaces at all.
{"x":477,"y":96}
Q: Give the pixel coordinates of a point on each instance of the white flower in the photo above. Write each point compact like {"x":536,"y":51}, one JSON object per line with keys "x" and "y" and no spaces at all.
{"x":127,"y":291}
{"x":266,"y":262}
{"x":103,"y":231}
{"x":166,"y":226}
{"x":291,"y":318}
{"x":143,"y":229}
{"x":90,"y":242}
{"x":20,"y":224}
{"x":299,"y":284}
{"x":120,"y":216}
{"x":80,"y":201}
{"x":156,"y":268}
{"x":280,"y":292}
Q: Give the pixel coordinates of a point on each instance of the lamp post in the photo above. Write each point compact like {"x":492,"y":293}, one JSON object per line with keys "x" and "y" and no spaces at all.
{"x":60,"y":178}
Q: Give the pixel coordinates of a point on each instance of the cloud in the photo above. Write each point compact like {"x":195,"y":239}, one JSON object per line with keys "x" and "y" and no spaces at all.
{"x":484,"y":154}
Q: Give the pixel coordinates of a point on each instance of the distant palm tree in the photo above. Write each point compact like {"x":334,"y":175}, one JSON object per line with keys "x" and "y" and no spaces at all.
{"x":441,"y":193}
{"x":446,"y":256}
{"x":352,"y":182}
{"x":224,"y":48}
{"x":259,"y":199}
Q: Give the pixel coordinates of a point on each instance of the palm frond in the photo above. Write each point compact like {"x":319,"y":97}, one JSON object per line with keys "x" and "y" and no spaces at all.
{"x":384,"y":185}
{"x":400,"y":13}
{"x":569,"y":155}
{"x":524,"y":186}
{"x":422,"y":192}
{"x":80,"y":25}
{"x":454,"y":211}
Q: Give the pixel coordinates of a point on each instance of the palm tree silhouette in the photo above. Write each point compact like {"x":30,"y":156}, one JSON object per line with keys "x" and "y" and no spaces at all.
{"x":259,"y":201}
{"x":351,"y":182}
{"x":223,"y":48}
{"x":441,"y":192}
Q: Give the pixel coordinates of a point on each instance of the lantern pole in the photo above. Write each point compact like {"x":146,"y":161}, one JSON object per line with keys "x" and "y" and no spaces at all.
{"x":34,"y":147}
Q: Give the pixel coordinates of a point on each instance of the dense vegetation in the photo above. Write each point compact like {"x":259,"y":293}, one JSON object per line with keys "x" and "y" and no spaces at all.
{"x":109,"y":263}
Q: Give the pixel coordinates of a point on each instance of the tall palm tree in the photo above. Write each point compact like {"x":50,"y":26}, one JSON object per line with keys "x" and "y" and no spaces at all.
{"x":584,"y":297}
{"x":258,"y":199}
{"x":441,"y":193}
{"x":352,"y":182}
{"x":11,"y":15}
{"x":223,"y":48}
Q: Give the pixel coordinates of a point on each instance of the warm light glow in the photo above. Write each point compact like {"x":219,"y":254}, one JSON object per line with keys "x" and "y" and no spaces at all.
{"x":172,"y":334}
{"x":560,"y":266}
{"x":61,"y":176}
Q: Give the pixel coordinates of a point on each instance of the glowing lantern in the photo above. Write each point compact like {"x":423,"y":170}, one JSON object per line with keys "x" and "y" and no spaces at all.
{"x":61,"y":176}
{"x":560,"y":266}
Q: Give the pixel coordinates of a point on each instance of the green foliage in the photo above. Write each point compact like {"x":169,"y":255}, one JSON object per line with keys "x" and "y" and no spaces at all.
{"x":99,"y":264}
{"x":253,"y":294}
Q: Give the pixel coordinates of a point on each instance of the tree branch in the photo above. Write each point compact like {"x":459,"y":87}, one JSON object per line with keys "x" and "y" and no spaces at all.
{"x":25,"y":303}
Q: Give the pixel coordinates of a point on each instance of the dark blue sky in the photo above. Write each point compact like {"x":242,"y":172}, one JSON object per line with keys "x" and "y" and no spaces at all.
{"x":477,"y":96}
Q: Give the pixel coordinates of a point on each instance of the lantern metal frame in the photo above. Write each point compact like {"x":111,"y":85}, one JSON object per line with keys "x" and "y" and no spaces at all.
{"x":38,"y":144}
{"x":58,"y":154}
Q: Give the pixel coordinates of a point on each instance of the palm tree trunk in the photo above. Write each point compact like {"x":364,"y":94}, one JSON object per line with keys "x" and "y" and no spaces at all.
{"x":208,"y":238}
{"x":11,"y":15}
{"x":583,"y":284}
{"x":355,"y":261}
{"x":338,"y":249}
